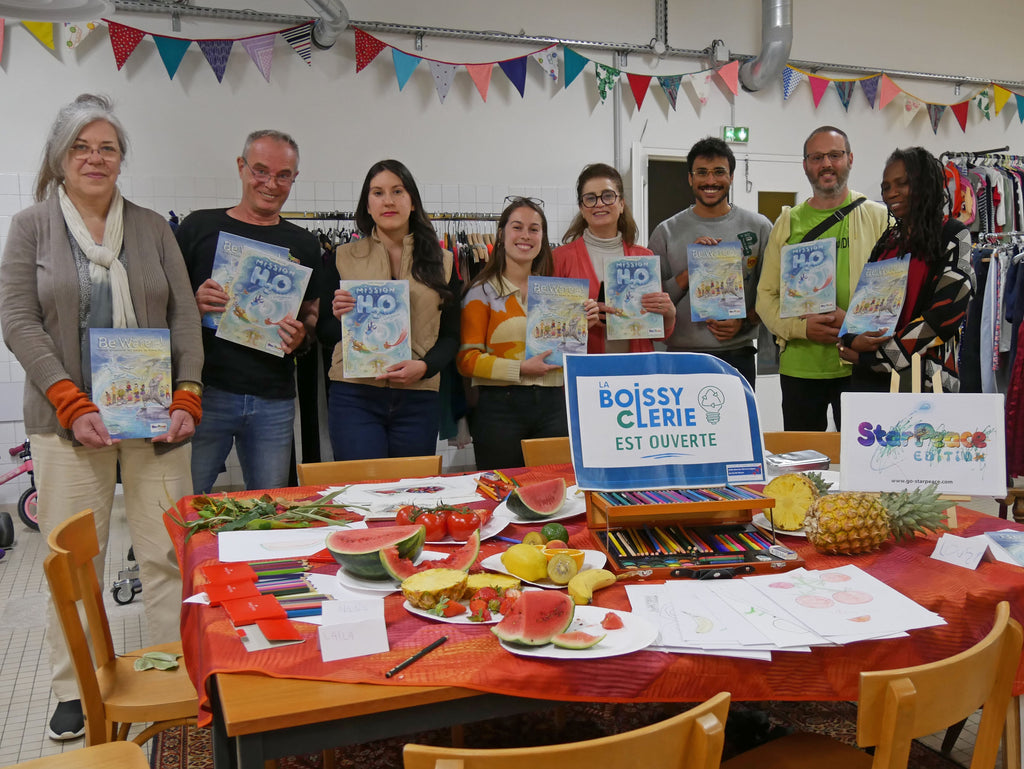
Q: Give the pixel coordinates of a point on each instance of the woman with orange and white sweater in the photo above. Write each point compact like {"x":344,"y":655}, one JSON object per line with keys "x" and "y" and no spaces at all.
{"x":519,"y":397}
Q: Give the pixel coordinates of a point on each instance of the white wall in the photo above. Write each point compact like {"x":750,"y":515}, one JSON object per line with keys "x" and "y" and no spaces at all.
{"x":467,"y":155}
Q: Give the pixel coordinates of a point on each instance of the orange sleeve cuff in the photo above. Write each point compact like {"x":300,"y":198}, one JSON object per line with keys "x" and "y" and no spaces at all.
{"x":188,"y":402}
{"x":70,"y":402}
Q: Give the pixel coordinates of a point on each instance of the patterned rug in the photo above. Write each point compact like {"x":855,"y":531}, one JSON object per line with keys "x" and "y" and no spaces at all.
{"x":750,"y":723}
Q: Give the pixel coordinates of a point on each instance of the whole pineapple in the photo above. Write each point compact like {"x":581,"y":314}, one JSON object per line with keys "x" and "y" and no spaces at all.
{"x":854,"y":522}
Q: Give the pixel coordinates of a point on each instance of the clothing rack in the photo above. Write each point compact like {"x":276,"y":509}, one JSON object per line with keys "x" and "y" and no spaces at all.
{"x":440,"y":216}
{"x":993,"y":155}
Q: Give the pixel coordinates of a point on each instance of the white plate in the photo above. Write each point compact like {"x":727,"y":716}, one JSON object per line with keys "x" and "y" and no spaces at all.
{"x":635,"y":634}
{"x":459,"y":619}
{"x":760,"y":520}
{"x":574,"y":505}
{"x":494,"y":526}
{"x":384,"y":585}
{"x":592,"y":559}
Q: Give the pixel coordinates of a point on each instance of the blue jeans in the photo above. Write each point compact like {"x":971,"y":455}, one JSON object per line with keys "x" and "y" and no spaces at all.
{"x":261,"y":430}
{"x":367,"y":422}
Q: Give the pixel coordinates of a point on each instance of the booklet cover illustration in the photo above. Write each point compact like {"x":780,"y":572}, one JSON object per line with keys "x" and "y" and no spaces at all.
{"x":555,"y":318}
{"x":265,"y":289}
{"x":808,"y":280}
{"x":230,"y":251}
{"x":131,"y":380}
{"x":375,"y":334}
{"x":626,"y":281}
{"x":878,"y":300}
{"x":716,"y":281}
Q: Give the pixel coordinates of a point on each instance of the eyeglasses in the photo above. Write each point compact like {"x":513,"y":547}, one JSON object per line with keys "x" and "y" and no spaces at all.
{"x":835,"y":156}
{"x":511,"y":199}
{"x":716,"y":173}
{"x":590,"y":199}
{"x":81,"y":151}
{"x":284,"y":179}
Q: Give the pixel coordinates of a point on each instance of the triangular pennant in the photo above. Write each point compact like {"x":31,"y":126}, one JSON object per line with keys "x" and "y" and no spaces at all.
{"x":818,"y":87}
{"x":730,"y":75}
{"x":41,"y":31}
{"x":123,"y":40}
{"x":216,"y":52}
{"x":299,"y":39}
{"x":1,"y":37}
{"x":983,"y":101}
{"x":515,"y":71}
{"x":404,"y":66}
{"x":699,"y":82}
{"x":1002,"y":95}
{"x":172,"y":51}
{"x":1020,"y":99}
{"x":886,"y":91}
{"x":638,"y":84}
{"x":548,"y":60}
{"x":845,"y":90}
{"x":870,"y":87}
{"x":670,"y":85}
{"x":481,"y":74}
{"x":911,"y":107}
{"x":76,"y":32}
{"x":935,"y":112}
{"x":607,"y":77}
{"x":791,"y":78}
{"x":574,"y":64}
{"x":367,"y":48}
{"x":443,"y":74}
{"x":261,"y":51}
{"x":960,"y":110}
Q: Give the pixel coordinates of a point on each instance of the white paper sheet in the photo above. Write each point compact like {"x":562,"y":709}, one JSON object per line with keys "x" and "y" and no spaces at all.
{"x":233,"y":546}
{"x":383,"y":499}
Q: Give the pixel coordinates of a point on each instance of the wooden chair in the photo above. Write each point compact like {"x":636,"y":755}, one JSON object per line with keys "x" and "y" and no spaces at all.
{"x":691,"y":740}
{"x":825,"y":442}
{"x":897,"y":706}
{"x":110,"y":755}
{"x":545,"y":451}
{"x":355,"y":470}
{"x":114,"y":695}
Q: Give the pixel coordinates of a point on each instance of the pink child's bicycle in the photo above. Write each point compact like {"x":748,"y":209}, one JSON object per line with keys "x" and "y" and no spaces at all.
{"x":29,"y":497}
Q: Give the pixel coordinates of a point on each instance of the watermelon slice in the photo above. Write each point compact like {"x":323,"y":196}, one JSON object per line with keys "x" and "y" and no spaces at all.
{"x":576,"y":640}
{"x":358,"y":550}
{"x":536,"y":617}
{"x":538,"y":500}
{"x":401,"y":568}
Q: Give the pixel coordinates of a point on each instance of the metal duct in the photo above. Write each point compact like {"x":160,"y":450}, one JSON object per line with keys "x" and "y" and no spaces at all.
{"x":333,"y":21}
{"x":776,"y":43}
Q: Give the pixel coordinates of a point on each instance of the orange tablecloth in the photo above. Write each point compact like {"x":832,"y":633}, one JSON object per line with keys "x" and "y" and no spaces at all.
{"x":473,"y":659}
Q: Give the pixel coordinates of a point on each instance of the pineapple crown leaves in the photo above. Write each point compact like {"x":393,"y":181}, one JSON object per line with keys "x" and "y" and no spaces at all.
{"x":918,"y":511}
{"x":819,"y":482}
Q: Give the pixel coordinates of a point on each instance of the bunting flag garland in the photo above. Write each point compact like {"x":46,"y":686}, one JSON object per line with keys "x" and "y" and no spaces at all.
{"x":76,"y":32}
{"x":367,"y":48}
{"x":870,"y":87}
{"x":548,"y":61}
{"x":574,"y":64}
{"x":443,"y":74}
{"x":845,"y":90}
{"x":515,"y":71}
{"x":699,"y":82}
{"x":670,"y":85}
{"x":172,"y":51}
{"x":299,"y":38}
{"x":730,"y":75}
{"x":960,"y":110}
{"x":606,"y":79}
{"x":638,"y":84}
{"x":41,"y":31}
{"x":983,"y":102}
{"x":935,"y":112}
{"x":1020,"y":100}
{"x":481,"y":74}
{"x":791,"y":78}
{"x":886,"y":91}
{"x":123,"y":41}
{"x":404,"y":66}
{"x":818,"y":88}
{"x":1002,"y":95}
{"x":261,"y":51}
{"x":911,"y":107}
{"x":216,"y":53}
{"x":1,"y":37}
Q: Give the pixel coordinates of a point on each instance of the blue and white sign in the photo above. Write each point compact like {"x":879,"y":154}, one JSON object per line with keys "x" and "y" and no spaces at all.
{"x":661,"y":420}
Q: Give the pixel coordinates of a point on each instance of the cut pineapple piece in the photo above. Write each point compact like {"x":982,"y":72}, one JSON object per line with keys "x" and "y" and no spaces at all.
{"x":425,"y":589}
{"x":794,"y":494}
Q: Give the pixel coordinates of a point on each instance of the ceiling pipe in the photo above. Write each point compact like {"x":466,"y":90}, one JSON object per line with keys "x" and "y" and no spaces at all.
{"x":333,"y":21}
{"x":776,"y":43}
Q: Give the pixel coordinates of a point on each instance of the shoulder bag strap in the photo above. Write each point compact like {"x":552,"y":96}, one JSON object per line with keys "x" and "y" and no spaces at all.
{"x":837,"y":216}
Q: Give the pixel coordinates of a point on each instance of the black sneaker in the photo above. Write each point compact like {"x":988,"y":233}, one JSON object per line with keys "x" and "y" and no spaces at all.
{"x":67,"y":721}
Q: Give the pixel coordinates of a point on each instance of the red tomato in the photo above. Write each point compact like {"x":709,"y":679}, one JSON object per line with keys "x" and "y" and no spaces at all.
{"x":483,"y":514}
{"x":434,"y":524}
{"x":405,"y":515}
{"x":462,"y":523}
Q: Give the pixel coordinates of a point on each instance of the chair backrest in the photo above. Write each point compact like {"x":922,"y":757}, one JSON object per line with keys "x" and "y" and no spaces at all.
{"x":355,"y":470}
{"x":691,"y":740}
{"x":898,"y":706}
{"x":74,"y":585}
{"x":545,"y":451}
{"x":825,"y":442}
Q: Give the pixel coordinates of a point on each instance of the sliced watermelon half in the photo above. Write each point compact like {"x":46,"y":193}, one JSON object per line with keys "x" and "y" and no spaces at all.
{"x":358,"y":550}
{"x":400,"y":568}
{"x":538,"y":500}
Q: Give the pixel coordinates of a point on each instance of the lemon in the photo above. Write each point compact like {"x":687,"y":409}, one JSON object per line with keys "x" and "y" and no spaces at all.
{"x":525,"y":562}
{"x":562,"y":568}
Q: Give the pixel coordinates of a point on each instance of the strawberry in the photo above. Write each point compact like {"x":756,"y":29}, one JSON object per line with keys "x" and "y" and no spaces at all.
{"x":478,"y":611}
{"x":447,"y":608}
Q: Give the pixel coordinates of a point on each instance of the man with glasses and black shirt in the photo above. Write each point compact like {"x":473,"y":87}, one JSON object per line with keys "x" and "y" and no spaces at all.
{"x":810,"y":371}
{"x":249,"y":395}
{"x":709,"y":221}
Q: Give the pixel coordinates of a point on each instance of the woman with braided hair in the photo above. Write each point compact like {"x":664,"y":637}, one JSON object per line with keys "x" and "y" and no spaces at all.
{"x":940,"y":281}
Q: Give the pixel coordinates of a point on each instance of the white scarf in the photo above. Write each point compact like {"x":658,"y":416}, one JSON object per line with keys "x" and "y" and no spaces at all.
{"x":104,"y":266}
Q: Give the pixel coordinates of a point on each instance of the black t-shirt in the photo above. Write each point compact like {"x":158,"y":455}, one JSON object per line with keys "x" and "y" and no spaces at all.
{"x":229,"y":366}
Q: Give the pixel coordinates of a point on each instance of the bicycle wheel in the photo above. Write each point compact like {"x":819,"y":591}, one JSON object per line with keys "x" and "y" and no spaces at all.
{"x":27,"y":508}
{"x":6,"y":531}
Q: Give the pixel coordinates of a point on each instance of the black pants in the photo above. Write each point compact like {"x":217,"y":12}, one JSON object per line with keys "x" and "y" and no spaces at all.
{"x":504,"y":415}
{"x":805,"y":402}
{"x":743,"y":360}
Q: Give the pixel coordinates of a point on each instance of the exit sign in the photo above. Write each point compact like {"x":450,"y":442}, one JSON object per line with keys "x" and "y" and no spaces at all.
{"x":737,"y":134}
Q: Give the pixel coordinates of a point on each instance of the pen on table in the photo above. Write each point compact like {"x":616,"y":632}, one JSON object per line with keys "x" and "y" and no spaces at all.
{"x":310,"y":612}
{"x":418,"y":655}
{"x":508,"y":539}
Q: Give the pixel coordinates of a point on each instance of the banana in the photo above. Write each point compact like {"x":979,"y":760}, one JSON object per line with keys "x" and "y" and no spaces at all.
{"x":583,"y":585}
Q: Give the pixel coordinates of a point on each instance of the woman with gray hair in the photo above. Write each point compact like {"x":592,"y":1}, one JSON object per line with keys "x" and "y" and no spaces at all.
{"x":84,"y":258}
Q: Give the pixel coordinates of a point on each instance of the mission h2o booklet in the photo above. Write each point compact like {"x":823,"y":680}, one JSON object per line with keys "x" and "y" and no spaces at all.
{"x":231,"y":249}
{"x":555,"y":318}
{"x":626,"y":280}
{"x":131,"y":380}
{"x":807,"y":284}
{"x":375,"y":334}
{"x":716,"y":281}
